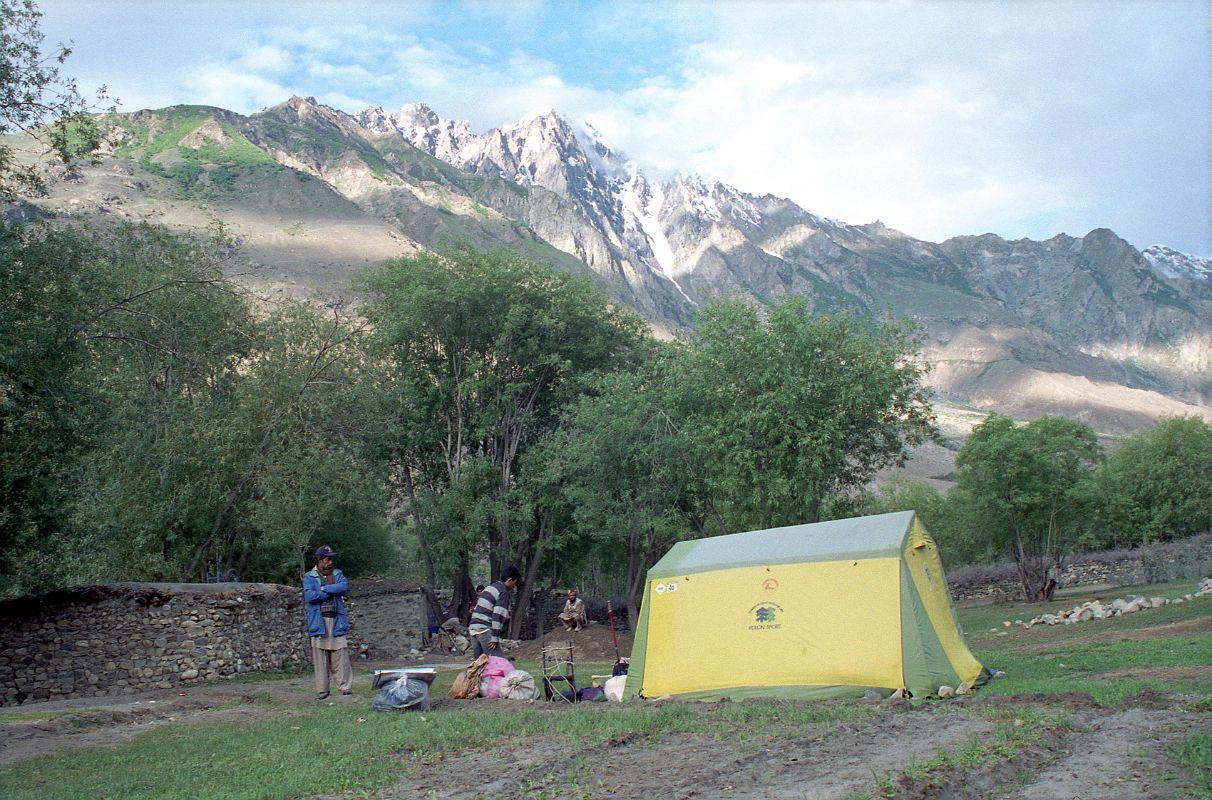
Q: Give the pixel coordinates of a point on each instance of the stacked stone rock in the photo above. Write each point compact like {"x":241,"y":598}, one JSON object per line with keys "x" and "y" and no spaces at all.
{"x":126,"y":638}
{"x":387,"y":617}
{"x":1098,"y":609}
{"x":1075,"y":573}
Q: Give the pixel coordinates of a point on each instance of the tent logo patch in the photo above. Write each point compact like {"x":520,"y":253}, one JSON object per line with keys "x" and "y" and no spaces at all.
{"x":661,"y":588}
{"x":770,"y":584}
{"x":765,"y":617}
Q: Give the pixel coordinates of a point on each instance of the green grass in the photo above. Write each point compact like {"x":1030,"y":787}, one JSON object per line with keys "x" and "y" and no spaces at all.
{"x":273,"y":752}
{"x":277,"y":757}
{"x":978,"y":619}
{"x":1108,"y":671}
{"x":276,"y":675}
{"x":26,"y":716}
{"x":224,"y":164}
{"x":1196,"y":754}
{"x":1014,"y":729}
{"x":327,"y":144}
{"x":1091,"y":656}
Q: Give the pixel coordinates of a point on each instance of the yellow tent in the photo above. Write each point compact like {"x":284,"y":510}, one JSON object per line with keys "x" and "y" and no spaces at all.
{"x":802,"y":611}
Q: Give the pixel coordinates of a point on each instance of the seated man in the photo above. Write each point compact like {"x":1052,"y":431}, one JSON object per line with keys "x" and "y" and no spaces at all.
{"x":573,"y":615}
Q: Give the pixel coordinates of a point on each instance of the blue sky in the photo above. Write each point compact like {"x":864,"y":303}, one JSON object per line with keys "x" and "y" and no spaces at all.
{"x":1024,"y":119}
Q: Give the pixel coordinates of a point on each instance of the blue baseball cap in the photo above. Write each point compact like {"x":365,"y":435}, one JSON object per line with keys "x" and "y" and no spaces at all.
{"x":324,"y":551}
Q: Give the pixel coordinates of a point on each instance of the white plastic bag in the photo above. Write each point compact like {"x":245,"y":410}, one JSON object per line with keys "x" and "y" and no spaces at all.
{"x":614,"y":688}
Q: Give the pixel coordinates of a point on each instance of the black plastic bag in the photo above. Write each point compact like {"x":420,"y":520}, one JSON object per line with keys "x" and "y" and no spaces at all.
{"x":404,"y":693}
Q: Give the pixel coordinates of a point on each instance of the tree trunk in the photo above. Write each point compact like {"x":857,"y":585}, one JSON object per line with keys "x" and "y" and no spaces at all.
{"x":464,"y":593}
{"x":410,"y":491}
{"x":1037,"y":572}
{"x":536,"y":608}
{"x":1035,"y":576}
{"x":438,"y":613}
{"x":530,"y":574}
{"x":639,"y":551}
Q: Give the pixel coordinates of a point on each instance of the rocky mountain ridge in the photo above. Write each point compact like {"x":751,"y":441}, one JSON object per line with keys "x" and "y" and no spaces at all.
{"x":1085,"y":326}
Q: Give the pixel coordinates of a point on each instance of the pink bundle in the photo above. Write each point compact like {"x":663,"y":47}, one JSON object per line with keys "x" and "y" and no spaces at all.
{"x":494,"y":672}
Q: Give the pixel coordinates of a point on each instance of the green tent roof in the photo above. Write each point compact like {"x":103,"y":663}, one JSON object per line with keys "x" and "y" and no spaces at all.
{"x":861,"y":537}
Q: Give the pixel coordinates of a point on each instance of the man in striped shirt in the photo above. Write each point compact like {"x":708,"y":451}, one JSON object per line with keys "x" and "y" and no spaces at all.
{"x":490,"y":614}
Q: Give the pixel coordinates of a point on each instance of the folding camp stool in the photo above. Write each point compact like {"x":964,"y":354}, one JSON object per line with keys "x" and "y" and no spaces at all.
{"x":558,"y":668}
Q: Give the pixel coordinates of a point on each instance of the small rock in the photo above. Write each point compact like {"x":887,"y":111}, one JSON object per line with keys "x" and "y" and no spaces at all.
{"x":946,"y":691}
{"x":963,"y":688}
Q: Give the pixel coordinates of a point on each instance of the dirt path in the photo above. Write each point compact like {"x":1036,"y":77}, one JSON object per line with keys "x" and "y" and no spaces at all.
{"x":1108,"y":753}
{"x":1116,"y":753}
{"x":55,"y":726}
{"x":827,"y":762}
{"x":1118,"y":756}
{"x":69,"y":724}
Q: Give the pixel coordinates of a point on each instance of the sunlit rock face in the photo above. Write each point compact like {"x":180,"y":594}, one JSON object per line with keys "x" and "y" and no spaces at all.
{"x":1084,"y":326}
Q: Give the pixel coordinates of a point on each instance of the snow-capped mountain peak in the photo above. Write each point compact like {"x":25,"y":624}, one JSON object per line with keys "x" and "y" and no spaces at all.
{"x":1176,"y":265}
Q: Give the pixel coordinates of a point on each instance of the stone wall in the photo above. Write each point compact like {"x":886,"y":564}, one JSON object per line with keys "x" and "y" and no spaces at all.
{"x":124,"y":638}
{"x":552,"y":605}
{"x":387,"y":617}
{"x":117,"y":639}
{"x":1189,"y":558}
{"x":1006,"y":587}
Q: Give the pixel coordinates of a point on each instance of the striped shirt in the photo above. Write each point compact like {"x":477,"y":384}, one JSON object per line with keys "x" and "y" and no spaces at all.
{"x":491,"y":611}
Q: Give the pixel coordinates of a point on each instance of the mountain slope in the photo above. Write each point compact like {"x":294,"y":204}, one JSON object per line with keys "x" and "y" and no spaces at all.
{"x":1088,"y":327}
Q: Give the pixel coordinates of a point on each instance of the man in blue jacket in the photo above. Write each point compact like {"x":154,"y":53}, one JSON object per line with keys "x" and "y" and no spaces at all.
{"x":324,"y":589}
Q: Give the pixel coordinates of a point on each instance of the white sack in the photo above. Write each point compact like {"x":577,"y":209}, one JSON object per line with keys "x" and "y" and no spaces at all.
{"x":518,"y":685}
{"x":614,"y":688}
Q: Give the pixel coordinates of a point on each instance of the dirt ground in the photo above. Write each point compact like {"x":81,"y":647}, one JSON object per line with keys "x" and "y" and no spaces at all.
{"x":592,"y":643}
{"x":1110,"y":753}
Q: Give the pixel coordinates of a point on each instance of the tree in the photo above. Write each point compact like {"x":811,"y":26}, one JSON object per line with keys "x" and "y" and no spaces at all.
{"x":932,"y":508}
{"x":36,"y":98}
{"x":626,"y":472}
{"x":46,"y":396}
{"x":1025,"y":488}
{"x":314,"y":476}
{"x":1155,"y":486}
{"x":155,"y":428}
{"x":485,"y":348}
{"x":795,"y":408}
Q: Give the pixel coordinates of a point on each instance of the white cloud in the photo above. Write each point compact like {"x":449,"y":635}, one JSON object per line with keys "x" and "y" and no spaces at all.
{"x":939,"y":118}
{"x":221,"y":86}
{"x":268,"y":58}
